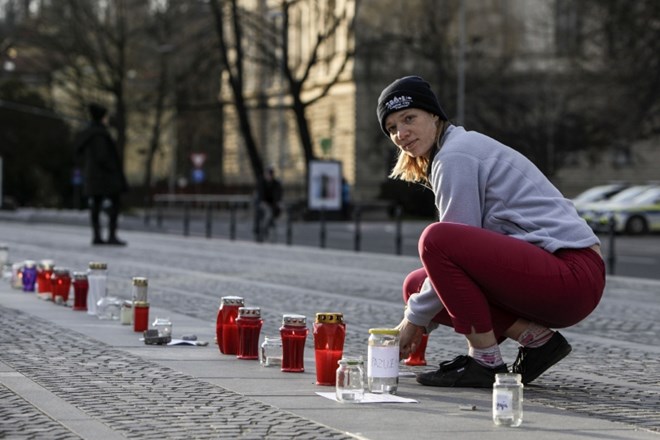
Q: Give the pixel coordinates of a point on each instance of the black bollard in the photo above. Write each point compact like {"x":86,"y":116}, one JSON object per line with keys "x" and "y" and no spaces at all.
{"x":186,"y":219}
{"x":289,"y":225}
{"x":209,"y":220}
{"x":232,"y":221}
{"x":358,"y":233}
{"x":611,"y":257}
{"x":322,"y":231}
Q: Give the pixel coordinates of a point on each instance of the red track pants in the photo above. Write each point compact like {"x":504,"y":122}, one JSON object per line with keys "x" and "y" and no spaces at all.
{"x":487,"y":280}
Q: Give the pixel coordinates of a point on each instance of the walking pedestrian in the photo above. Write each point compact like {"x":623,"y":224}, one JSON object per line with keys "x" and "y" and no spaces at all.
{"x":509,"y":256}
{"x":103,"y":174}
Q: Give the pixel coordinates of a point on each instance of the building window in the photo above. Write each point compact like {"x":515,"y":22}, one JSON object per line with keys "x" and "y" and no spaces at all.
{"x":568,"y":26}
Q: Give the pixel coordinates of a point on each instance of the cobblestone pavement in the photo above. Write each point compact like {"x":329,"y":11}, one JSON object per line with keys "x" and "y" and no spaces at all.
{"x":613,"y":372}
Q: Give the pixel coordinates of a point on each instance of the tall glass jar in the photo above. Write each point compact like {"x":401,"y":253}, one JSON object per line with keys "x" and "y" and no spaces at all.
{"x":60,"y":285}
{"x":44,"y":273}
{"x":80,"y":288}
{"x":294,"y":333}
{"x":97,"y":278}
{"x":140,"y":285}
{"x":350,"y":380}
{"x":140,"y":316}
{"x":249,"y":324}
{"x":508,"y":399}
{"x":383,"y":360}
{"x":329,"y":333}
{"x":29,"y":275}
{"x":226,"y":330}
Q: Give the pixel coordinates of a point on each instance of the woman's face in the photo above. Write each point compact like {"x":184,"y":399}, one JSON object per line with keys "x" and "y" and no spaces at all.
{"x":413,"y":131}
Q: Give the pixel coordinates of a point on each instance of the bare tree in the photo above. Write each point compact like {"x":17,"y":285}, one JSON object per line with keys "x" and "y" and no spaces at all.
{"x":230,"y":38}
{"x":297,"y":73}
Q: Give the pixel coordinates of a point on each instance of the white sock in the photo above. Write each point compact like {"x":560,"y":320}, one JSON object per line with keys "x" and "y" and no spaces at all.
{"x":535,"y":335}
{"x":488,"y":357}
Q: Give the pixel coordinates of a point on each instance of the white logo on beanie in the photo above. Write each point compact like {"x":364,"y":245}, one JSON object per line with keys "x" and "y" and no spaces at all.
{"x":398,"y":103}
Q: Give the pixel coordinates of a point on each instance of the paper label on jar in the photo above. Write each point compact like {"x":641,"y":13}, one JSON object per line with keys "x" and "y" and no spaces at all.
{"x":503,"y":403}
{"x":383,"y":361}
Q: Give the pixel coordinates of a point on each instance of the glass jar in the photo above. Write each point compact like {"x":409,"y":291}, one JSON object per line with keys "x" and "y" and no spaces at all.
{"x":329,"y":333}
{"x":60,"y":285}
{"x":97,"y":278}
{"x":140,"y":285}
{"x":108,"y":308}
{"x":271,"y":352}
{"x":293,"y":333}
{"x":164,"y":327}
{"x":418,"y":357}
{"x":140,"y":316}
{"x":350,"y":380}
{"x":226,"y":331}
{"x":126,"y":313}
{"x":508,"y":399}
{"x":29,"y":275}
{"x":249,"y":324}
{"x":44,"y":273}
{"x":383,"y":360}
{"x":80,"y":288}
{"x":17,"y":275}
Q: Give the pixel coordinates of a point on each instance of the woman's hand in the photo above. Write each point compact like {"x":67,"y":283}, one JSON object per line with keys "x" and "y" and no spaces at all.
{"x":410,"y":336}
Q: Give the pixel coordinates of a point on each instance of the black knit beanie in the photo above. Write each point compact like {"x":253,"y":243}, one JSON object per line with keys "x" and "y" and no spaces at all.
{"x":407,"y":92}
{"x":97,"y":112}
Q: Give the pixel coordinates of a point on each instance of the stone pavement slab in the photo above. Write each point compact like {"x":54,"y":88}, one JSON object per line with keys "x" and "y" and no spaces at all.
{"x":66,"y":374}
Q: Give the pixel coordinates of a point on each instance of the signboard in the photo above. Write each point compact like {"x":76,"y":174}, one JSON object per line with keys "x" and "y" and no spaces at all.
{"x":198,"y":159}
{"x":324,"y":186}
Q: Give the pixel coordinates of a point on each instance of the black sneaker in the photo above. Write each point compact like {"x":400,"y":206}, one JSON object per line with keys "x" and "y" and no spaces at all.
{"x":462,"y":371}
{"x":532,"y":362}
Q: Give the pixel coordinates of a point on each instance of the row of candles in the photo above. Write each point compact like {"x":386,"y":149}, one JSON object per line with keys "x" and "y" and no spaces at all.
{"x":89,"y":293}
{"x":238,"y":329}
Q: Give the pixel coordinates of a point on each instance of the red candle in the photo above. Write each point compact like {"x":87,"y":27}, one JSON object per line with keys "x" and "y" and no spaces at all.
{"x":60,"y":283}
{"x":141,"y":316}
{"x":44,"y":272}
{"x":249,"y":324}
{"x":293,"y":332}
{"x":80,"y":288}
{"x":418,"y":357}
{"x":226,"y":331}
{"x":329,"y":334}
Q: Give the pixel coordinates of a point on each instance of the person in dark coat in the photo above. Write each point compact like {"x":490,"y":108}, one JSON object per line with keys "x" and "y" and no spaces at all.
{"x":103,"y":174}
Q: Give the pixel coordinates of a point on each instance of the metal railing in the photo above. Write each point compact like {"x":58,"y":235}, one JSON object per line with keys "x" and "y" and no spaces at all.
{"x":188,"y":206}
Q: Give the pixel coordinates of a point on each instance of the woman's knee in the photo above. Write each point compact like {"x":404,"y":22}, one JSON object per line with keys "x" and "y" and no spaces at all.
{"x":413,"y":283}
{"x":438,"y":236}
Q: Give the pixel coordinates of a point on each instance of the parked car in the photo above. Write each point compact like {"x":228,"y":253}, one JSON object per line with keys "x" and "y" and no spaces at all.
{"x":639,"y":215}
{"x":597,"y":194}
{"x":592,"y":212}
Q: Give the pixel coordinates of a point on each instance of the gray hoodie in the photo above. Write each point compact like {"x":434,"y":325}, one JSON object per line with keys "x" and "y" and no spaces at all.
{"x":480,"y":182}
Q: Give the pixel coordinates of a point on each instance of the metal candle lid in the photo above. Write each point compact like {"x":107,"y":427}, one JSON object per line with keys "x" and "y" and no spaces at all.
{"x":46,"y":264}
{"x":249,"y":312}
{"x":29,"y":263}
{"x":61,"y":271}
{"x":97,"y":265}
{"x":294,"y":320}
{"x":140,"y":281}
{"x":79,"y":276}
{"x":384,"y":331}
{"x":330,"y":318}
{"x":232,"y":301}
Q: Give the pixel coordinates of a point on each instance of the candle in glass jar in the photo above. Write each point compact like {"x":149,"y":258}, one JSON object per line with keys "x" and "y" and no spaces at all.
{"x":80,"y":287}
{"x":249,"y":324}
{"x":293,"y":333}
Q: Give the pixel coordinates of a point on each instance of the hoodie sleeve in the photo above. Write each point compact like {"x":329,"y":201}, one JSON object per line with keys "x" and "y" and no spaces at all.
{"x":423,"y":306}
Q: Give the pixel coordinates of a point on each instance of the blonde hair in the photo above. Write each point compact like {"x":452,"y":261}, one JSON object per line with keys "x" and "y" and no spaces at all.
{"x":414,"y":169}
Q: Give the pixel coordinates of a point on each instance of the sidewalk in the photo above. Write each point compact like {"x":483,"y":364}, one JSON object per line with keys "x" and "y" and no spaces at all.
{"x":66,"y":374}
